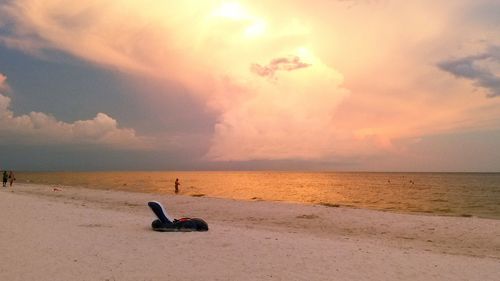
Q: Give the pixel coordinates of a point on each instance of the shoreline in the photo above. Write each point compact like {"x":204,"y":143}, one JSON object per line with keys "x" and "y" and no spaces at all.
{"x":257,"y":199}
{"x":274,"y":240}
{"x":462,"y":195}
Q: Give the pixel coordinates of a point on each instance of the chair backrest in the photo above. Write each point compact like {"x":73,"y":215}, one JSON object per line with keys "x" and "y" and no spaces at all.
{"x":160,"y":212}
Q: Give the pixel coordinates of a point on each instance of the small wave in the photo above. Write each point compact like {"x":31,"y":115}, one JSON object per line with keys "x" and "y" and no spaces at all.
{"x":475,"y":206}
{"x":439,"y":200}
{"x":443,"y":210}
{"x":198,"y":195}
{"x":330,"y":205}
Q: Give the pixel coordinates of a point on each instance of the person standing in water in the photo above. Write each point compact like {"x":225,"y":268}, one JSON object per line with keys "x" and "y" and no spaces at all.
{"x":12,"y":178}
{"x":177,"y":183}
{"x":5,"y":178}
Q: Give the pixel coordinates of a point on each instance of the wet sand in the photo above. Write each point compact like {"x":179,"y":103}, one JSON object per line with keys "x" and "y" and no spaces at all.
{"x":70,"y":233}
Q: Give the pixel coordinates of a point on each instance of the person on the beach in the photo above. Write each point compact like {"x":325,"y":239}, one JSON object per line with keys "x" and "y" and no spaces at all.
{"x":5,"y":178}
{"x":12,"y":178}
{"x":177,"y":183}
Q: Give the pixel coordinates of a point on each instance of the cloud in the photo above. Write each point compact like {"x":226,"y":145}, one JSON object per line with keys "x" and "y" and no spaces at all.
{"x":3,"y":83}
{"x":289,"y":117}
{"x":477,"y":68}
{"x":213,"y":56}
{"x":278,"y":64}
{"x":346,"y":82}
{"x":37,"y":128}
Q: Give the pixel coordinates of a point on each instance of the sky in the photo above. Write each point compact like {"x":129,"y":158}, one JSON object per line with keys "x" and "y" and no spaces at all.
{"x":347,"y":85}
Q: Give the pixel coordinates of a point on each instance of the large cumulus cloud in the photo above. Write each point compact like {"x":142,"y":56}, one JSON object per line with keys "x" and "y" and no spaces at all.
{"x":209,"y":49}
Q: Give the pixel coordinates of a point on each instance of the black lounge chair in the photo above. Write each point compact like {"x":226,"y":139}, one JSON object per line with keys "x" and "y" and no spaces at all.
{"x":165,"y":223}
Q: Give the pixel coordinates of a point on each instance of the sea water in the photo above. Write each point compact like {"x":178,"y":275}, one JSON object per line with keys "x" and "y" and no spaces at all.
{"x":455,"y":194}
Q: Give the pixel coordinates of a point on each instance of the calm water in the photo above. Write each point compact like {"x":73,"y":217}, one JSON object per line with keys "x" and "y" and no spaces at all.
{"x":456,"y":194}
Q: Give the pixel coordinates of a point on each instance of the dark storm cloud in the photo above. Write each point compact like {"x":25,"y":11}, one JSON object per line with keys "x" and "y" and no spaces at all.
{"x":469,"y":68}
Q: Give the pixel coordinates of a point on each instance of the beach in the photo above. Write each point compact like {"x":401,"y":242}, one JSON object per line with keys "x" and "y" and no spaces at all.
{"x":70,"y":233}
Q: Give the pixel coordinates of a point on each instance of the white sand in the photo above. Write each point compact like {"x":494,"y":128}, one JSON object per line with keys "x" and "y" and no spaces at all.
{"x":83,"y":234}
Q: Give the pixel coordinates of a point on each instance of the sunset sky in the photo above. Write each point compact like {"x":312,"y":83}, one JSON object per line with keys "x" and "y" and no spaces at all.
{"x":301,"y":85}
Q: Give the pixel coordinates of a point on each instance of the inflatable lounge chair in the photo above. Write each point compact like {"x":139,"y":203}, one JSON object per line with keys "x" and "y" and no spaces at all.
{"x":165,"y":223}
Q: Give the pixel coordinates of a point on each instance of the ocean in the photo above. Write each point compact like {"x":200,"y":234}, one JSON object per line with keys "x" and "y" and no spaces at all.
{"x":451,"y":194}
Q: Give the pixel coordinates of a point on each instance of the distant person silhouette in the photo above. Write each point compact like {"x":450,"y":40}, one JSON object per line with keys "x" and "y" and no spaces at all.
{"x":177,"y":183}
{"x":5,"y":178}
{"x":12,"y":178}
